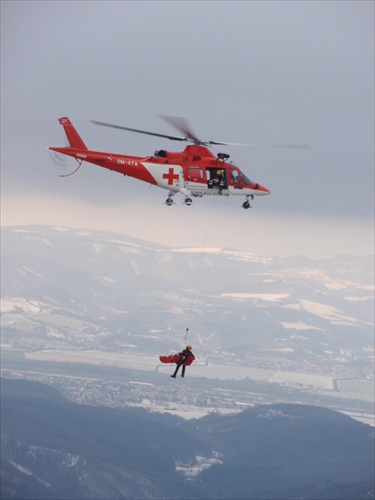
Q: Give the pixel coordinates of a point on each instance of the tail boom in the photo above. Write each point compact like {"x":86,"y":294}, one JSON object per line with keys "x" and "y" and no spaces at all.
{"x":127,"y":165}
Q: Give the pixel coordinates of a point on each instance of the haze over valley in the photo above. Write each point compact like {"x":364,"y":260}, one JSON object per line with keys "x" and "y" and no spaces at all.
{"x":101,"y":307}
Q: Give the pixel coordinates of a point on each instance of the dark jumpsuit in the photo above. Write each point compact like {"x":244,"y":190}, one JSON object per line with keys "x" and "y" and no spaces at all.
{"x":184,"y":355}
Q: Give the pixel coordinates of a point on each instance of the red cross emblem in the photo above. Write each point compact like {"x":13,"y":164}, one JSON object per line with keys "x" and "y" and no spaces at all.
{"x":171,"y":176}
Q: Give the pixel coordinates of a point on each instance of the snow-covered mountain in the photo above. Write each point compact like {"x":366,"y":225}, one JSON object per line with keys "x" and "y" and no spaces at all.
{"x":71,"y":289}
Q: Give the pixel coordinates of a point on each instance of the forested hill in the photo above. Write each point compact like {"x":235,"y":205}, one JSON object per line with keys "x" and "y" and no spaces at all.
{"x":52,"y":448}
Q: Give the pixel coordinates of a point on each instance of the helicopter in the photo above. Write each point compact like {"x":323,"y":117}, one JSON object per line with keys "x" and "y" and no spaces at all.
{"x":193,"y":172}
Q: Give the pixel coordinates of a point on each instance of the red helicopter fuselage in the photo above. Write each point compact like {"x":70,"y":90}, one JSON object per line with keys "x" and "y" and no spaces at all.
{"x":195,"y":171}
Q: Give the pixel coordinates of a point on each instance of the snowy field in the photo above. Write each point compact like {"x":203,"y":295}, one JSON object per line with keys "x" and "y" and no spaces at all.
{"x":209,"y":370}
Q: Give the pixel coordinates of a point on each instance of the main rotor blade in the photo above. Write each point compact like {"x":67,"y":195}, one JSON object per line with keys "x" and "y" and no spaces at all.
{"x":214,"y":143}
{"x":181,"y":125}
{"x":171,"y":137}
{"x":279,"y":146}
{"x":286,"y":146}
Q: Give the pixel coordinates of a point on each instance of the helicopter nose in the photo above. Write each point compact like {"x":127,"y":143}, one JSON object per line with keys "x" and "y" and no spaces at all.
{"x":263,"y":189}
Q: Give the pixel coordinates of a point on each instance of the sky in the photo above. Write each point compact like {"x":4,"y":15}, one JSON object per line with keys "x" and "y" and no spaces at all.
{"x":262,"y":72}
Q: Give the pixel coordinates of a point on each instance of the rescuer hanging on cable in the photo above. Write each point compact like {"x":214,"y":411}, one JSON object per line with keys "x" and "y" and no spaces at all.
{"x":185,"y":355}
{"x":183,"y":358}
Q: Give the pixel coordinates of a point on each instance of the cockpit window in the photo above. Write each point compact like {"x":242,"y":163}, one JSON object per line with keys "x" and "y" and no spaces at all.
{"x":235,"y":176}
{"x":247,"y":181}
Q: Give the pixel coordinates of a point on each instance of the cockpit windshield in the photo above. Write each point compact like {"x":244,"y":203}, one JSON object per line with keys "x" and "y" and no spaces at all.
{"x":247,"y":181}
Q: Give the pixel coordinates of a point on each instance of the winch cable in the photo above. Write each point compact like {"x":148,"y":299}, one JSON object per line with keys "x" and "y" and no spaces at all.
{"x":195,"y":289}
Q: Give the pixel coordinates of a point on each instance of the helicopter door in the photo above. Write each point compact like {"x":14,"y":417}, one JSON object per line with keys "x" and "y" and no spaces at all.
{"x":195,"y":179}
{"x":216,"y":179}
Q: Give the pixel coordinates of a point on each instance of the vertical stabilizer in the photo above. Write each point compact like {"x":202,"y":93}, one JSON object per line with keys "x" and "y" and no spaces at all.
{"x":74,"y":139}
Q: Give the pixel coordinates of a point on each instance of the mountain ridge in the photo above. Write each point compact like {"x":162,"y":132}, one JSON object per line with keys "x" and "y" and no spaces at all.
{"x":73,"y":451}
{"x":68,"y":290}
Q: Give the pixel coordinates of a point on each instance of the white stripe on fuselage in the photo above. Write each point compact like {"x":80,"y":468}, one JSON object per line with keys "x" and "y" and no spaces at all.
{"x":166,"y":175}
